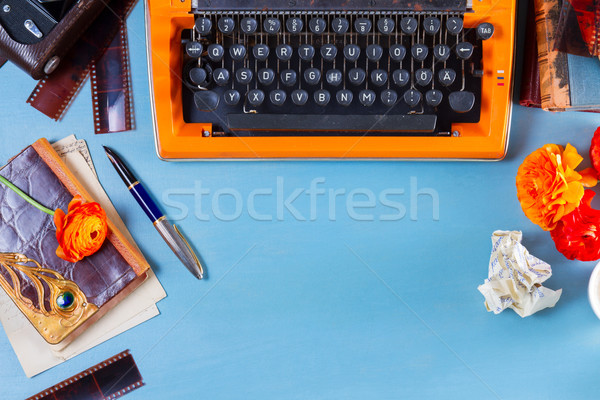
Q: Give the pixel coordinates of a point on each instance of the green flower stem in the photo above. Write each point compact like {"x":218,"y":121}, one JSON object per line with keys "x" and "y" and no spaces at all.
{"x":25,"y":196}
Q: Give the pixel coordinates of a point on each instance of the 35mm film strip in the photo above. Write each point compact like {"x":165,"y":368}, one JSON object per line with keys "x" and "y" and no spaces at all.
{"x":111,"y":93}
{"x":109,"y":379}
{"x":102,"y":49}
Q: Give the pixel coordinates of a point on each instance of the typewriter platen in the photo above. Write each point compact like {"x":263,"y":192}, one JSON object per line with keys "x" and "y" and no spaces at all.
{"x":325,"y":79}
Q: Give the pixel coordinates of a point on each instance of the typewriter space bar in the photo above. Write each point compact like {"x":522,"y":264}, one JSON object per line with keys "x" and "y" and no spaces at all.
{"x":422,"y":123}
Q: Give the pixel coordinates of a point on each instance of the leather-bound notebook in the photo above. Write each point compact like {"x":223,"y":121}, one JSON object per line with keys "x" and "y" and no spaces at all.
{"x":30,"y":271}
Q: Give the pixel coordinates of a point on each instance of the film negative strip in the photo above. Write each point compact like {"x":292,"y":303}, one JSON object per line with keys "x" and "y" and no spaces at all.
{"x":53,"y":94}
{"x":109,"y":379}
{"x":111,"y":82}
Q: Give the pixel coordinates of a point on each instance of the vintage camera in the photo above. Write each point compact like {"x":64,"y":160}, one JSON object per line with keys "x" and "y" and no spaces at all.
{"x":36,"y":34}
{"x":29,"y":21}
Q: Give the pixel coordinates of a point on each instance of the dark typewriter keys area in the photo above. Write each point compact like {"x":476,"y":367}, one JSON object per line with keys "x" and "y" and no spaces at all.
{"x":331,"y":73}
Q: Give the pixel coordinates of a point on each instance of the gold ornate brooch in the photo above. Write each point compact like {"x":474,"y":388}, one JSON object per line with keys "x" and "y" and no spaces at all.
{"x":69,"y":307}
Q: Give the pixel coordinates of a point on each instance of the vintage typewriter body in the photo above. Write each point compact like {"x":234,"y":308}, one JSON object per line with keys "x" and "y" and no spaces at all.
{"x":368,"y":79}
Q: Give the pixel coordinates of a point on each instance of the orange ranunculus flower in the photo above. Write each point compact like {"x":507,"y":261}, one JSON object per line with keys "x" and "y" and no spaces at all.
{"x":548,"y":186}
{"x":82,"y":231}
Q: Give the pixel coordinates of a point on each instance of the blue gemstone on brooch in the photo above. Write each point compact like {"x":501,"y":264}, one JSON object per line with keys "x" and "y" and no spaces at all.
{"x":65,"y":300}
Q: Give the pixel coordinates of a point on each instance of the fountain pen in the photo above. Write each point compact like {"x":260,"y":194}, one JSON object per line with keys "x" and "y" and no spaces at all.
{"x":169,"y":232}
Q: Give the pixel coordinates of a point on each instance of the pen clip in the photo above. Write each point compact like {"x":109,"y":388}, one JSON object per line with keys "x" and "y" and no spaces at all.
{"x":188,"y":246}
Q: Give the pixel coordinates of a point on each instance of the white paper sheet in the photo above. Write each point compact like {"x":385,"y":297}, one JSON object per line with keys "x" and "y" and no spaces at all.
{"x":70,"y":145}
{"x":34,"y":354}
{"x":515,"y":278}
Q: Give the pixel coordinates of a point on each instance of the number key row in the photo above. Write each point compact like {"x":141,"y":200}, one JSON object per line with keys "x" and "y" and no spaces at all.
{"x":318,"y":25}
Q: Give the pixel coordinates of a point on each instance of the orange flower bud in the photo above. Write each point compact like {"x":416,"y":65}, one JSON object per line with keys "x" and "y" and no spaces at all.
{"x":82,"y":231}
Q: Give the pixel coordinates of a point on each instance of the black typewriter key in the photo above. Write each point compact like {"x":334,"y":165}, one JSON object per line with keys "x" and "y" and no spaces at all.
{"x":433,"y":97}
{"x":454,"y":25}
{"x":232,"y":97}
{"x":441,"y":52}
{"x":299,"y":97}
{"x":409,"y":25}
{"x":237,"y":52}
{"x":317,"y":25}
{"x":379,"y":77}
{"x":485,"y":31}
{"x":312,"y":76}
{"x":306,"y":52}
{"x":419,"y":51}
{"x":462,"y":101}
{"x":333,"y":77}
{"x":344,"y":97}
{"x":203,"y":25}
{"x":272,"y":25}
{"x":206,"y":100}
{"x":401,"y":77}
{"x":261,"y":52}
{"x":389,"y":97}
{"x":277,"y":97}
{"x":357,"y":76}
{"x":294,"y":25}
{"x":322,"y":97}
{"x":226,"y":25}
{"x":215,"y":52}
{"x":412,"y":97}
{"x":423,"y":76}
{"x":464,"y":50}
{"x":328,"y":52}
{"x":363,"y":26}
{"x":374,"y":52}
{"x":446,"y":76}
{"x":340,"y":25}
{"x":194,"y":49}
{"x":198,"y":76}
{"x":283,"y":52}
{"x":288,"y":77}
{"x":266,"y":76}
{"x":367,"y":97}
{"x":431,"y":25}
{"x":386,"y":26}
{"x":397,"y":52}
{"x":248,"y":25}
{"x":243,"y":76}
{"x":351,"y":52}
{"x":221,"y":76}
{"x":256,"y":97}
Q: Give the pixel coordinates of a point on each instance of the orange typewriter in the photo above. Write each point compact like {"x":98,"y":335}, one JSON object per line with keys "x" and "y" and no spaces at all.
{"x":324,"y":79}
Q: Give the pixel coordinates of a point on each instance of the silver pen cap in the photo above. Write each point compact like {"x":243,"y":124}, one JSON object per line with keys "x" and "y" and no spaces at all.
{"x":180,"y":246}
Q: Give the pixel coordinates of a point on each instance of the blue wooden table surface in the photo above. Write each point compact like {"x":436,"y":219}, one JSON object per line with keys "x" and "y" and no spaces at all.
{"x":339,"y":295}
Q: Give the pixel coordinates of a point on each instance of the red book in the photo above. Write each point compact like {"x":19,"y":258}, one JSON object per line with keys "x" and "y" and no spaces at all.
{"x":530,"y":79}
{"x":588,"y":17}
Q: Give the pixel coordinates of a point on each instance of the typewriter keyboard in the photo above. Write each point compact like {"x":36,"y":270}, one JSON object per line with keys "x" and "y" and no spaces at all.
{"x":332,"y":73}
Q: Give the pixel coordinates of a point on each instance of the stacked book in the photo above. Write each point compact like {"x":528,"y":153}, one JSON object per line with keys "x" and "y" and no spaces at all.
{"x":561,"y":70}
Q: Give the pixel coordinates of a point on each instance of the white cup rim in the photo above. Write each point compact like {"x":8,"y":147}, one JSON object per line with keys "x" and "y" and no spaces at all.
{"x":594,"y":290}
